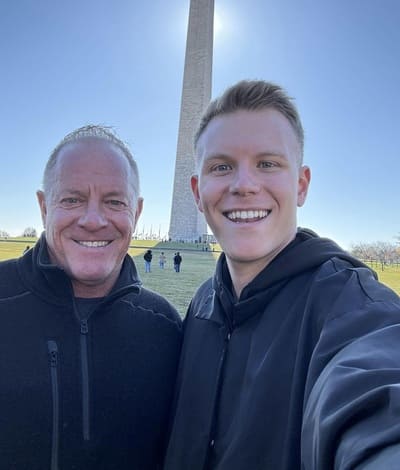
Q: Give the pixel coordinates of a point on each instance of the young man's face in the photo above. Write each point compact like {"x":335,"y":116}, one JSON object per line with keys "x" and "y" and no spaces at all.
{"x":250,"y":184}
{"x":91,"y":214}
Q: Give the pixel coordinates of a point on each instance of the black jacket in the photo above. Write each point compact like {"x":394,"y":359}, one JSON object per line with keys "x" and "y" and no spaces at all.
{"x":177,"y":259}
{"x":302,"y":372}
{"x":82,"y":394}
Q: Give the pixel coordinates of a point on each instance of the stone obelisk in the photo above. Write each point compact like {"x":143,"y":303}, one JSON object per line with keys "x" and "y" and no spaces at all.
{"x":187,"y":223}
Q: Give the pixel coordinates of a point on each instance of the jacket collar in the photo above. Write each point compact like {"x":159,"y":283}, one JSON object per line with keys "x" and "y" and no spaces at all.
{"x":51,"y":283}
{"x":307,"y":251}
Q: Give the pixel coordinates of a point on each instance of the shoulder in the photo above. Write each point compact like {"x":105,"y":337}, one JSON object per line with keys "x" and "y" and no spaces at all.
{"x":157,"y":305}
{"x":338,"y":273}
{"x":10,"y":282}
{"x":8,"y":266}
{"x":203,"y":295}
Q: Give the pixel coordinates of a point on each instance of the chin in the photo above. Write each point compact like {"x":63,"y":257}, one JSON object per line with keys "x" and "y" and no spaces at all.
{"x":85,"y":275}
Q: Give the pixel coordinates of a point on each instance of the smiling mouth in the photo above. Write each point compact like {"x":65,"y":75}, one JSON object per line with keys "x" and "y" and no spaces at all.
{"x":247,"y":216}
{"x":93,"y":244}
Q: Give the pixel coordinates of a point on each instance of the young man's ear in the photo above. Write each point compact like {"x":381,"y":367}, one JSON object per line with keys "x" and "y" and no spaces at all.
{"x":194,"y":182}
{"x":42,"y":205}
{"x":304,"y":183}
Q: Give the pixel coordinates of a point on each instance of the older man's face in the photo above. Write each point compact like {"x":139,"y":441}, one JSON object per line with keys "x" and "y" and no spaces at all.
{"x":91,"y":214}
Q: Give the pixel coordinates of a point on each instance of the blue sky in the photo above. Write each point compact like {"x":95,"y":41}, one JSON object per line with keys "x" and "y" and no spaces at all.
{"x":66,"y":64}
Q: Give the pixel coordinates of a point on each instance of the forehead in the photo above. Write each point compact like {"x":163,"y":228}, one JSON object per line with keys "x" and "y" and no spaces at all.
{"x":91,"y":156}
{"x":261,"y":130}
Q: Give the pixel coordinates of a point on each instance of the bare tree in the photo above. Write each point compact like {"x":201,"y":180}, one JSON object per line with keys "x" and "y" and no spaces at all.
{"x":363,"y":251}
{"x":382,"y":253}
{"x":4,"y":234}
{"x":29,"y":232}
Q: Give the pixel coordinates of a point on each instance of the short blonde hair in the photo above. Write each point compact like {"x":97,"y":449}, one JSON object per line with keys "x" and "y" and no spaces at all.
{"x":253,"y":95}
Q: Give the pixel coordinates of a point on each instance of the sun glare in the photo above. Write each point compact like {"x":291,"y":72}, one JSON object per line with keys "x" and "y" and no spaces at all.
{"x":217,"y":23}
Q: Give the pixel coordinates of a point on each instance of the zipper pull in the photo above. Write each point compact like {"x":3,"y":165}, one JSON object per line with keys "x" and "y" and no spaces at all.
{"x":84,"y":327}
{"x":53,"y":352}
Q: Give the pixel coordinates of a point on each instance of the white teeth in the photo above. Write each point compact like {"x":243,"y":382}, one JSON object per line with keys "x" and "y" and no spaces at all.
{"x":247,"y":215}
{"x":94,"y":244}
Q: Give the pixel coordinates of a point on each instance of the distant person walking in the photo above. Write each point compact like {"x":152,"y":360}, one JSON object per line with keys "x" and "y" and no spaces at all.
{"x":148,"y":256}
{"x":162,"y":260}
{"x":177,"y":262}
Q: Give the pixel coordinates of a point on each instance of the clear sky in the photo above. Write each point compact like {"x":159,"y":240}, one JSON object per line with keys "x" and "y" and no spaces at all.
{"x":69,"y":63}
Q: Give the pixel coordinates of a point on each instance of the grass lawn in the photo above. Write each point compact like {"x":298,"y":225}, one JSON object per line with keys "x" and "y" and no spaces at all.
{"x":196,"y":267}
{"x":389,"y":276}
{"x":178,"y":288}
{"x":14,"y":247}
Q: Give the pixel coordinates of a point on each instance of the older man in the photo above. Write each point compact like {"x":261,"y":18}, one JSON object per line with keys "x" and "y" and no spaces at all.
{"x":87,"y":356}
{"x":291,"y":355}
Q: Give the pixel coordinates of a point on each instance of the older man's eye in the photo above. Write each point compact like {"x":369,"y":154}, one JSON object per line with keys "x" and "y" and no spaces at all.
{"x":70,"y":201}
{"x":116,"y":204}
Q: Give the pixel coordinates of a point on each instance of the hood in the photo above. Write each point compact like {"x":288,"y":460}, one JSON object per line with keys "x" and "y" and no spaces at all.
{"x":52,"y":284}
{"x":306,"y":252}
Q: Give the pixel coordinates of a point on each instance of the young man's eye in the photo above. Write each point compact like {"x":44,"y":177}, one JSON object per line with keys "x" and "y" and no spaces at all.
{"x":221,"y":167}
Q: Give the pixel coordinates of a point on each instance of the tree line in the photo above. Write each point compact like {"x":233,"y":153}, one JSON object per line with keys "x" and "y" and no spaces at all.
{"x":29,"y":232}
{"x":378,"y":253}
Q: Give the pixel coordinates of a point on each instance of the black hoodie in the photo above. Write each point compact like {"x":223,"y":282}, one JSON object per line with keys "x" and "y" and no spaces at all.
{"x":82,"y":393}
{"x":261,"y":378}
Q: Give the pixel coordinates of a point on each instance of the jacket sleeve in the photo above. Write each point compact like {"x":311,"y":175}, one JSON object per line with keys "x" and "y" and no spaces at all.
{"x":352,"y":402}
{"x":387,"y":459}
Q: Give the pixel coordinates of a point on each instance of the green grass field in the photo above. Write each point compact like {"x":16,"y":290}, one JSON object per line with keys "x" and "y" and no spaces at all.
{"x":178,"y":288}
{"x":389,"y":276}
{"x":14,"y":247}
{"x":197,"y":266}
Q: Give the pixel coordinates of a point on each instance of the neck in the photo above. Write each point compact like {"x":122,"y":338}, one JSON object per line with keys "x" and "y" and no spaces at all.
{"x":88,"y":291}
{"x":243,"y":273}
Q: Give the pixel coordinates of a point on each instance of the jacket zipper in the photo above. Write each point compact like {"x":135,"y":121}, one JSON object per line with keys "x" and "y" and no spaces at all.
{"x":84,"y":330}
{"x":211,"y":443}
{"x":85,"y":381}
{"x":53,"y":358}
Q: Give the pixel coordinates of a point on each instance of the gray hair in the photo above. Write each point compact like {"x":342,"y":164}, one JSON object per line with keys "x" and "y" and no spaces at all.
{"x":253,"y":95}
{"x":99,"y":132}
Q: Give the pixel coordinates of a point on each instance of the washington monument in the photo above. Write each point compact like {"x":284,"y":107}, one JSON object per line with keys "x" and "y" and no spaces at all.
{"x":187,"y":223}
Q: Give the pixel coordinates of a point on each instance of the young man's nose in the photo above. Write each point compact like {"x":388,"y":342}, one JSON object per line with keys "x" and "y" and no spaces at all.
{"x":244,"y":182}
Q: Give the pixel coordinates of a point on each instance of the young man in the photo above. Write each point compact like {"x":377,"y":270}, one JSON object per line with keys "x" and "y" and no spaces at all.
{"x":291,"y":355}
{"x":87,"y":356}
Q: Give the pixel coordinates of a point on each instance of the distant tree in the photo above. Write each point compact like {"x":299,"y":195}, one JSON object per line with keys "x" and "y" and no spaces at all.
{"x":4,"y":234}
{"x":30,"y":232}
{"x":363,"y":251}
{"x":384,"y":253}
